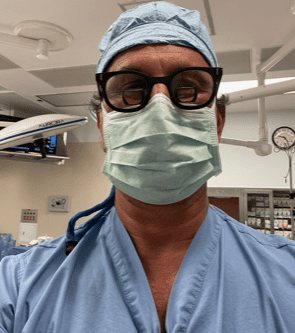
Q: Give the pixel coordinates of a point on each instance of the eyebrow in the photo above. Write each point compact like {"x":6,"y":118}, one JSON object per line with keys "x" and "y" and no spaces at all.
{"x":130,"y":68}
{"x":136,"y":69}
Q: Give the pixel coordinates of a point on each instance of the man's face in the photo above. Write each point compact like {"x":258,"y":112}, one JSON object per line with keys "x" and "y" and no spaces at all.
{"x":157,"y":60}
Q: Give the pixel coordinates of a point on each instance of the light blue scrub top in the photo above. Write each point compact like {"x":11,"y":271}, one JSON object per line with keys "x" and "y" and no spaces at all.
{"x":233,"y":279}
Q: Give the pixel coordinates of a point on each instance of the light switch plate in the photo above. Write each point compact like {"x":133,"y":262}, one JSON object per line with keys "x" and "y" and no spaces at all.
{"x":59,"y":203}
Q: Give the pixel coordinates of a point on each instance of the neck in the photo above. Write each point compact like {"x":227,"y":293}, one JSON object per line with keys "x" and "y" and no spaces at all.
{"x":161,"y":227}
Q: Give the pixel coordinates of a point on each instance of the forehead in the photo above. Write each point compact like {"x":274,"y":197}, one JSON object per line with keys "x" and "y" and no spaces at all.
{"x":153,"y":55}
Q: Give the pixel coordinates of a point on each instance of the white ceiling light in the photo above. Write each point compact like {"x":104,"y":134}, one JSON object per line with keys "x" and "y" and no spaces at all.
{"x":43,"y":36}
{"x":228,"y":87}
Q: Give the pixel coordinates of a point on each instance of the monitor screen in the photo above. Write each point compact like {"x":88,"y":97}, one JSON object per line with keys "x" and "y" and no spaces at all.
{"x":50,"y":147}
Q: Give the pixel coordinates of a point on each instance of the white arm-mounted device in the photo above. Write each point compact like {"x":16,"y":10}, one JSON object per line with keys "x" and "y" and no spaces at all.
{"x":261,"y":147}
{"x":37,"y":129}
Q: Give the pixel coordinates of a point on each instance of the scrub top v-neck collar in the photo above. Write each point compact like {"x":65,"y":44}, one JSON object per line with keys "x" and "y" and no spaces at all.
{"x":188,"y":282}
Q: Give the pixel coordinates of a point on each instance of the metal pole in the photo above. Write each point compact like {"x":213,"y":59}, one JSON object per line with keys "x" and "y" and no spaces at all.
{"x":292,"y":219}
{"x":263,"y":130}
{"x":290,"y":168}
{"x":291,"y":195}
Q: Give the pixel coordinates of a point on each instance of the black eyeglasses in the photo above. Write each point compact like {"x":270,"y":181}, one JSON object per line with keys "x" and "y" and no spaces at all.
{"x":190,"y":88}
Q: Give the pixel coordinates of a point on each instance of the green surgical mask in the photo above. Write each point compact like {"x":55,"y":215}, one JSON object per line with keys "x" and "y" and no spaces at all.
{"x":161,"y":154}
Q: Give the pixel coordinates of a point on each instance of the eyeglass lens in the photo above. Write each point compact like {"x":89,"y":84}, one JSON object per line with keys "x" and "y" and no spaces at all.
{"x":191,"y":87}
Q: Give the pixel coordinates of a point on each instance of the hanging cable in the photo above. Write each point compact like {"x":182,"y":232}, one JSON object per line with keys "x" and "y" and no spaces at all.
{"x":104,"y":207}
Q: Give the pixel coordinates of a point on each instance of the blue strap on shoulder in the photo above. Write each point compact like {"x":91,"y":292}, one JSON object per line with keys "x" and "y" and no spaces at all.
{"x":104,"y":207}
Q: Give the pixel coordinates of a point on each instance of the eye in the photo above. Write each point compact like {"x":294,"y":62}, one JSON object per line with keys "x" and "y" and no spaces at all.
{"x":126,"y":89}
{"x":133,"y":96}
{"x":193,"y":86}
{"x":186,"y":94}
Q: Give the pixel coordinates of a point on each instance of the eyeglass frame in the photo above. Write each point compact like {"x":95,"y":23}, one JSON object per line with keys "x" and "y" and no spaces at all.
{"x":101,"y":79}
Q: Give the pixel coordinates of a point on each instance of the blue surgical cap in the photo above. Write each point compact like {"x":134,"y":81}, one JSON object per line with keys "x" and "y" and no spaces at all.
{"x":154,"y":23}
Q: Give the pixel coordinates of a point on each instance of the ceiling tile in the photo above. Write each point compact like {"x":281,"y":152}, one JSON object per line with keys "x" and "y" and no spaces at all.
{"x":236,"y":62}
{"x":67,"y":76}
{"x":69,"y":99}
{"x":7,"y":64}
{"x":287,"y":63}
{"x":12,"y":101}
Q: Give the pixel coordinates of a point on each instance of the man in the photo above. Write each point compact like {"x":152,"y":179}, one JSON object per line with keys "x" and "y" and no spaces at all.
{"x":161,"y":259}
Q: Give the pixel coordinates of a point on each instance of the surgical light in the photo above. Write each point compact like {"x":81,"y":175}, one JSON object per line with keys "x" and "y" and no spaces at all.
{"x":38,"y":128}
{"x":43,"y":36}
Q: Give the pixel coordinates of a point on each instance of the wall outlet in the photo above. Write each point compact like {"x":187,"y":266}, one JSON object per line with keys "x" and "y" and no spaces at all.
{"x":29,"y":215}
{"x":59,"y":203}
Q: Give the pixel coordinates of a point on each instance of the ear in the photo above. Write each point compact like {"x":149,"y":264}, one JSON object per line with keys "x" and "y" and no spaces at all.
{"x":220,"y":116}
{"x":99,"y":120}
{"x":99,"y":124}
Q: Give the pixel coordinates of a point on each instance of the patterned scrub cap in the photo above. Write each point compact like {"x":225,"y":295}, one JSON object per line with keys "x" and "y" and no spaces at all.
{"x":154,"y":23}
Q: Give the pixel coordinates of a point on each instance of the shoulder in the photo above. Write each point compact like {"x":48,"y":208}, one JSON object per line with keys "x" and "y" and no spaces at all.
{"x":255,"y":240}
{"x":33,"y":256}
{"x":47,"y":256}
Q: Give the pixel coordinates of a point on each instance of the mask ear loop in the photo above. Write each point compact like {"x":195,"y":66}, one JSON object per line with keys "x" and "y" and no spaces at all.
{"x":105,"y":206}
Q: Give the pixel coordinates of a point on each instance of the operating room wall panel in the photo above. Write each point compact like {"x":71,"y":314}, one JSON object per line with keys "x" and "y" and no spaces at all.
{"x":28,"y":186}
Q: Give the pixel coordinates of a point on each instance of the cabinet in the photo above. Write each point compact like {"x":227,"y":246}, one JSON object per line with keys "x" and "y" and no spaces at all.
{"x":259,"y":211}
{"x":269,"y":211}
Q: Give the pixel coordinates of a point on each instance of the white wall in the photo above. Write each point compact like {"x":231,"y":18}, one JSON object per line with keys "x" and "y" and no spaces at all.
{"x":28,"y":185}
{"x":241,"y":166}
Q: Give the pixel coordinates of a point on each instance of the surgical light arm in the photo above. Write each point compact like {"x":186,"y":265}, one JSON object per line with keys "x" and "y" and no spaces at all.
{"x":258,"y":92}
{"x":261,"y":147}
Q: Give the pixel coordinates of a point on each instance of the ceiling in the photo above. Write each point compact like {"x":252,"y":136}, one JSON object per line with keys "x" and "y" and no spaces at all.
{"x":243,"y":33}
